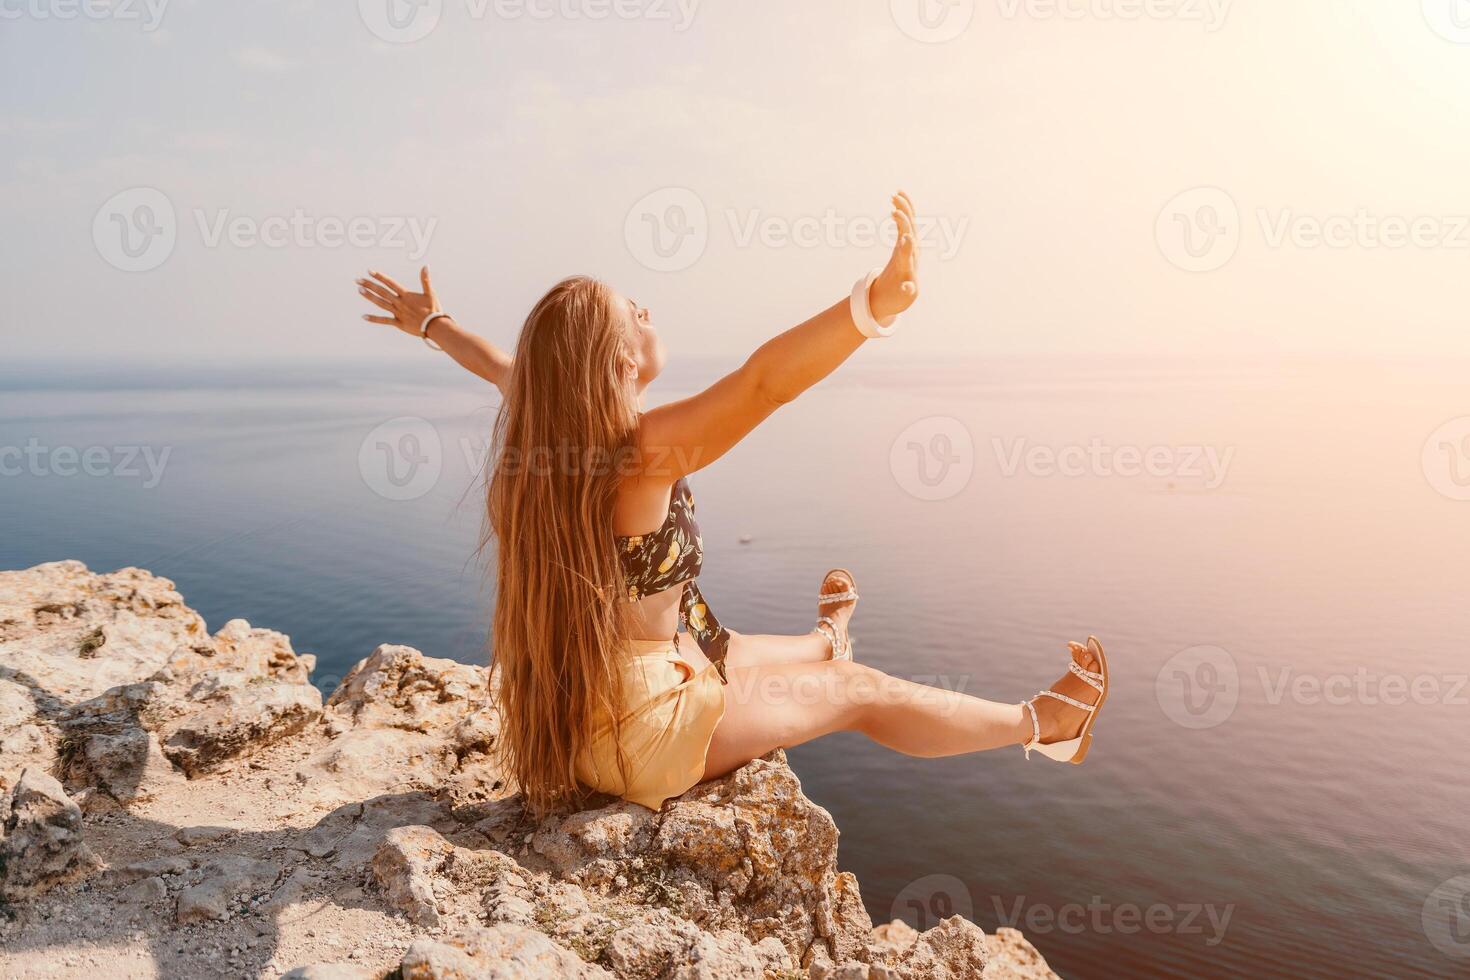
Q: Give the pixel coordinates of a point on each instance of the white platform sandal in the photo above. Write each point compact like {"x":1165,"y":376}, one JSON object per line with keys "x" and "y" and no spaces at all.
{"x":1073,"y":750}
{"x":841,"y":640}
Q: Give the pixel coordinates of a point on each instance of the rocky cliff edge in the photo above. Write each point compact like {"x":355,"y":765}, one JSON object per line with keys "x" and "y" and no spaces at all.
{"x":180,"y":804}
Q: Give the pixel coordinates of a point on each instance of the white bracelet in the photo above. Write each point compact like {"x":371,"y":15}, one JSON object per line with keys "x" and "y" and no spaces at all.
{"x":862,"y":311}
{"x":424,"y":328}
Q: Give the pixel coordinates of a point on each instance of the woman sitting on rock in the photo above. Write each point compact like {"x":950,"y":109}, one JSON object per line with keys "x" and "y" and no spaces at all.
{"x":598,"y":554}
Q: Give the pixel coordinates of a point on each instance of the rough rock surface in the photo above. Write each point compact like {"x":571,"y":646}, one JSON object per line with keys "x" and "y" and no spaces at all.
{"x":179,"y":804}
{"x":41,"y":841}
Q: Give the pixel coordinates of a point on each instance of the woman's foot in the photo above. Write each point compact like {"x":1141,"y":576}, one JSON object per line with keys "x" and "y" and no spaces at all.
{"x":1065,"y":715}
{"x":835,"y":604}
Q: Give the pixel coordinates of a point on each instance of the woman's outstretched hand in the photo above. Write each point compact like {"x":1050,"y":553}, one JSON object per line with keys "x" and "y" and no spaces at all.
{"x":407,"y":309}
{"x":897,"y":286}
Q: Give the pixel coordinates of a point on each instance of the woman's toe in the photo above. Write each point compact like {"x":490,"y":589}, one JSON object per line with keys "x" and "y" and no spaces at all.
{"x":1083,"y":655}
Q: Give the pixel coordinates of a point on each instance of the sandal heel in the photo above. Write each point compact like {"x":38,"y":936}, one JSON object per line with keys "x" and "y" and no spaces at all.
{"x":1069,"y":751}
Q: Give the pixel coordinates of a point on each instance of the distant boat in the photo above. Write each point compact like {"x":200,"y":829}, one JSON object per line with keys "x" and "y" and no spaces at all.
{"x":746,"y":539}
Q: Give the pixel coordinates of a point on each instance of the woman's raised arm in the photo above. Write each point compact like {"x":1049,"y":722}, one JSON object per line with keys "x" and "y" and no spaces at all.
{"x":407,"y":310}
{"x":688,"y":435}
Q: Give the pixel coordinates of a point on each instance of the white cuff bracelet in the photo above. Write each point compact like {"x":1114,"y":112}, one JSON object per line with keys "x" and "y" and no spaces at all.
{"x":424,"y":328}
{"x":862,"y":312}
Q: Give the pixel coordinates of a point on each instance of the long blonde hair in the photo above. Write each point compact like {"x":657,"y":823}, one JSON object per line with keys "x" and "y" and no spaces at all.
{"x":565,"y":430}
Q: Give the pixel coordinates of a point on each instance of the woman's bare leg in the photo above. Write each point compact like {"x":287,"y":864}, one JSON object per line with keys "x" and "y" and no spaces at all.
{"x":764,"y":650}
{"x":778,"y":706}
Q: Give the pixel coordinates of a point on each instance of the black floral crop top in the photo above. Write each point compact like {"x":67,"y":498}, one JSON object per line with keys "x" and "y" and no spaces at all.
{"x":671,"y":556}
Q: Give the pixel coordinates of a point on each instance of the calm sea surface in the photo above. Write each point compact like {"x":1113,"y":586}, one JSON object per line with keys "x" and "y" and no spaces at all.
{"x":1273,"y":554}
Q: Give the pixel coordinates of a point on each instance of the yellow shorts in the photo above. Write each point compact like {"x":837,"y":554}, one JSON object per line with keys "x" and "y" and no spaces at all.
{"x":670,"y":716}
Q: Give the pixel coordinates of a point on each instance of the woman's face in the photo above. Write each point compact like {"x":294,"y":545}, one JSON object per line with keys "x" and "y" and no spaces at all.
{"x":645,"y":347}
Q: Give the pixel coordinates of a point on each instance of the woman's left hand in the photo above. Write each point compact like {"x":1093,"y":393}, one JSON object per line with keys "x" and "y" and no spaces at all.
{"x":897,"y":286}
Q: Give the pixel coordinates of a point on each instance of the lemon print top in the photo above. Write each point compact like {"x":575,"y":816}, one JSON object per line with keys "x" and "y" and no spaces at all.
{"x":673,"y":556}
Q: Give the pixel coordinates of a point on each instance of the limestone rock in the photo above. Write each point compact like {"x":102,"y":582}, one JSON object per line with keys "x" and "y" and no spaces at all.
{"x":148,"y":891}
{"x":503,"y":952}
{"x":41,"y":841}
{"x":398,"y":687}
{"x":202,"y":834}
{"x":748,"y":853}
{"x":128,"y":764}
{"x":221,"y":882}
{"x":328,"y":971}
{"x":166,"y":866}
{"x":363,"y":763}
{"x":404,"y":868}
{"x":243,"y":721}
{"x":1012,"y":957}
{"x":66,"y":636}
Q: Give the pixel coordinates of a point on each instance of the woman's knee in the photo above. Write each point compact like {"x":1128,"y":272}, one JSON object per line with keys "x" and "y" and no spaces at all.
{"x":856,"y":690}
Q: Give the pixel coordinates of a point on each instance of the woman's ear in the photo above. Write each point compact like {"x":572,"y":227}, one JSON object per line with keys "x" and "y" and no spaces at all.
{"x":628,"y":366}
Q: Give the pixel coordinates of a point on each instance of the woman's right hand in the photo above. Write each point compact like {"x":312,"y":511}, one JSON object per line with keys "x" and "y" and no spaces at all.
{"x":407,"y":308}
{"x":897,"y":286}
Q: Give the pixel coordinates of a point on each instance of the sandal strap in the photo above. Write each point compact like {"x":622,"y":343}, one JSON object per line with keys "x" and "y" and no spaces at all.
{"x":827,"y":598}
{"x":828,"y":629}
{"x":1089,"y":708}
{"x":827,"y":626}
{"x":1035,"y":729}
{"x":1090,"y":678}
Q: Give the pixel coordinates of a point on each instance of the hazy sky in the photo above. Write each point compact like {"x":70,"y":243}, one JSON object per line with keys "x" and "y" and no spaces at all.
{"x":226,"y":149}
